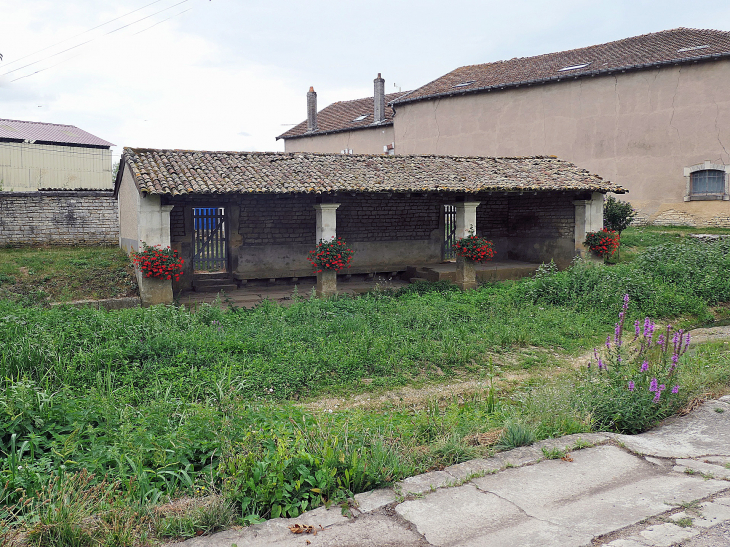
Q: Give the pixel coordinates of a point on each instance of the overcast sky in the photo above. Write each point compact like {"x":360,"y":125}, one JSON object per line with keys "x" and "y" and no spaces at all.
{"x":233,"y":74}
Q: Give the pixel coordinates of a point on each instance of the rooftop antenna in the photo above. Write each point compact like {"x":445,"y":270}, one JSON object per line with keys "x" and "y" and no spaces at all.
{"x":396,"y":85}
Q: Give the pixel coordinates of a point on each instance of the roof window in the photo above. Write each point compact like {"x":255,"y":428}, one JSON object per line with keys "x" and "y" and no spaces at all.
{"x":464,"y":84}
{"x":573,"y":67}
{"x":360,"y":118}
{"x":693,"y":48}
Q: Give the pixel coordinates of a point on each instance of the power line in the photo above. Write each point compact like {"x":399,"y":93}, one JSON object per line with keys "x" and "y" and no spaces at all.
{"x":148,"y":28}
{"x":80,"y":34}
{"x":89,"y":41}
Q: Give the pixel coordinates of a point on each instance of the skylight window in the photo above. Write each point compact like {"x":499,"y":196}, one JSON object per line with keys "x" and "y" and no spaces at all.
{"x":574,"y":67}
{"x":693,"y":48}
{"x":465,"y":84}
{"x":360,"y":118}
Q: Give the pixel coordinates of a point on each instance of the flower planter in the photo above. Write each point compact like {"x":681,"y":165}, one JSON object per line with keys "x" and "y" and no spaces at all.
{"x":466,"y":277}
{"x":153,"y":291}
{"x":326,"y":283}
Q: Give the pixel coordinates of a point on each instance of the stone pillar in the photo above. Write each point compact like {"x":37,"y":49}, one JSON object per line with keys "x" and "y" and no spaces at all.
{"x":466,"y":221}
{"x":466,"y":275}
{"x":326,"y":230}
{"x":154,"y":229}
{"x":588,"y":218}
{"x":326,"y":221}
{"x":466,"y":218}
{"x":153,"y":221}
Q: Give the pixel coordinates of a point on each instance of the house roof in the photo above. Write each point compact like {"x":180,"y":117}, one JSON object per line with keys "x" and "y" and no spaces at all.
{"x":340,"y":116}
{"x":678,"y":45}
{"x":184,"y":172}
{"x":48,"y":133}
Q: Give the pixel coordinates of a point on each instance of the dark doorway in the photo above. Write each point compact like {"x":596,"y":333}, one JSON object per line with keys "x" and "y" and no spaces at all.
{"x":209,"y":239}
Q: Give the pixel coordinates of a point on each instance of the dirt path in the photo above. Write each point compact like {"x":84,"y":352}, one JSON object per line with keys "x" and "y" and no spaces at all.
{"x":464,"y":389}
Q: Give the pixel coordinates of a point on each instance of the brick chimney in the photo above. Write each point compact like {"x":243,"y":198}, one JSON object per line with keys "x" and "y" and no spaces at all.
{"x":311,"y":110}
{"x":379,"y":107}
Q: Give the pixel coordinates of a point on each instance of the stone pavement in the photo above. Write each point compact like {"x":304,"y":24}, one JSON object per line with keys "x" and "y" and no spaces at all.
{"x":666,"y":487}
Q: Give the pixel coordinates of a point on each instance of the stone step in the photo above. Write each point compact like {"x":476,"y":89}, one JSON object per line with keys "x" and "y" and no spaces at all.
{"x":213,"y":282}
{"x":227,"y":287}
{"x":212,"y":275}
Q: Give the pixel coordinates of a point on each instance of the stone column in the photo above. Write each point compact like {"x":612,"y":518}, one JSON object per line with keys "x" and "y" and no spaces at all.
{"x":466,"y":221}
{"x":154,"y":229}
{"x":326,"y":230}
{"x":326,"y":221}
{"x":466,"y":218}
{"x":588,"y":218}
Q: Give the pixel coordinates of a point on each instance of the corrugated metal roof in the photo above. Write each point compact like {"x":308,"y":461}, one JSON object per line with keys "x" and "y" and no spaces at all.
{"x":48,"y":132}
{"x":647,"y":51}
{"x":180,"y":172}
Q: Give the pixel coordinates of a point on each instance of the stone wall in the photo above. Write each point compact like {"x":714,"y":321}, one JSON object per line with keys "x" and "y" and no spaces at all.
{"x":59,"y":218}
{"x":275,"y":220}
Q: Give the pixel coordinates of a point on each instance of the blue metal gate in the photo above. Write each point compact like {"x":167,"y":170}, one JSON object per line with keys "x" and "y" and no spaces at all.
{"x":449,"y":232}
{"x":209,"y":239}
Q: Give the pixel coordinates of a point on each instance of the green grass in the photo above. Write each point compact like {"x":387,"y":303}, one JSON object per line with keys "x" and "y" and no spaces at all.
{"x":34,"y":275}
{"x":139,"y":407}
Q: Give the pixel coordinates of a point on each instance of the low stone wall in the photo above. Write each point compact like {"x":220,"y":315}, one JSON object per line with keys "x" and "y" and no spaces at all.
{"x":73,"y":217}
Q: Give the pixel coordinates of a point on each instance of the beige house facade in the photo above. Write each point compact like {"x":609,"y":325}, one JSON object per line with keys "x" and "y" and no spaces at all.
{"x":36,"y":155}
{"x":650,"y":113}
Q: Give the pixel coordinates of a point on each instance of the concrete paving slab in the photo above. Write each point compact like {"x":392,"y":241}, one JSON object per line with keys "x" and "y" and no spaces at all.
{"x":706,"y":469}
{"x":534,"y":533}
{"x":465,"y":516}
{"x":607,"y":487}
{"x":461,"y":471}
{"x":725,"y":500}
{"x":665,"y":535}
{"x":625,"y":543}
{"x":719,"y":536}
{"x":704,"y":432}
{"x":375,"y":499}
{"x":425,"y":482}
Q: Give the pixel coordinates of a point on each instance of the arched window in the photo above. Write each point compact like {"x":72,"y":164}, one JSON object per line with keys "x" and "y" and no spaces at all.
{"x":707,"y":181}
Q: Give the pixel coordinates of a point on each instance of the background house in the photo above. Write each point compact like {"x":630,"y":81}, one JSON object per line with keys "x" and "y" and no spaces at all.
{"x":35,"y":155}
{"x":650,"y":113}
{"x":362,"y":126}
{"x":269,"y":209}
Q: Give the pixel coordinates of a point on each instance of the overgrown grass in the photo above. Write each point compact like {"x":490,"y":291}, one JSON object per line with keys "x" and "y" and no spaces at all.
{"x":159,"y":403}
{"x":36,"y":275}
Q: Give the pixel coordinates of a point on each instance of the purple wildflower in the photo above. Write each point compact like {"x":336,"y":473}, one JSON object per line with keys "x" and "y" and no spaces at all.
{"x":644,"y":366}
{"x":601,"y":366}
{"x":675,"y":389}
{"x":686,"y":345}
{"x":653,"y":385}
{"x":662,"y":387}
{"x":675,"y":360}
{"x":660,"y":341}
{"x":626,"y":301}
{"x":632,"y":386}
{"x":647,"y":322}
{"x":637,"y":328}
{"x":608,"y":342}
{"x":657,"y":396}
{"x":617,"y":334}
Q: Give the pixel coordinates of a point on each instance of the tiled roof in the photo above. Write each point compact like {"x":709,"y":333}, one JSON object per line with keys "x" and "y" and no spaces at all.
{"x":645,"y":51}
{"x":48,"y":132}
{"x":340,"y":116}
{"x":180,"y":172}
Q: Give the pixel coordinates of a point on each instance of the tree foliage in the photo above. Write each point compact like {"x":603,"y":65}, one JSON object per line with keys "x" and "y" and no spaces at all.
{"x":617,"y":214}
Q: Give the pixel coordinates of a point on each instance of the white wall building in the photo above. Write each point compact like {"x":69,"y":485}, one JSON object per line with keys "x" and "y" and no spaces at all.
{"x":36,"y":155}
